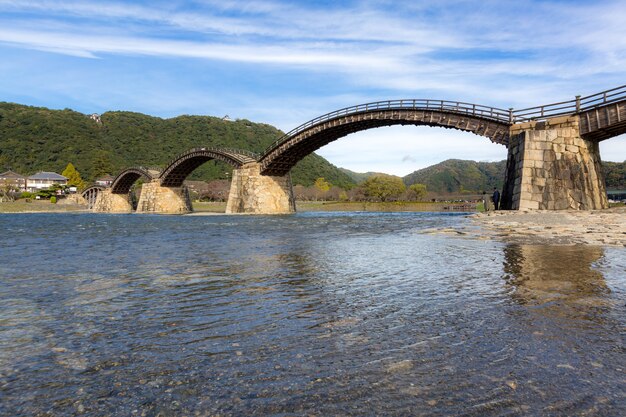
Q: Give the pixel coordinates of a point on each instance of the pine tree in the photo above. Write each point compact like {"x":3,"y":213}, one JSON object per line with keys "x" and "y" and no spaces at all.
{"x":73,"y":176}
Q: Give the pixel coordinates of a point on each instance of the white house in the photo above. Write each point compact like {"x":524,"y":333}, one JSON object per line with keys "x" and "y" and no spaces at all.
{"x":44,"y":180}
{"x":105,"y":181}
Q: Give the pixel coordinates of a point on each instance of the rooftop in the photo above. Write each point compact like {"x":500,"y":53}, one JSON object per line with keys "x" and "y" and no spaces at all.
{"x":12,"y":175}
{"x":47,"y":176}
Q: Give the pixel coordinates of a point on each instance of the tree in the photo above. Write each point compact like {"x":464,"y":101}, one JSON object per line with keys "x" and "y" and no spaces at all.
{"x":73,"y":176}
{"x":7,"y":190}
{"x":418,"y":191}
{"x":101,"y":165}
{"x":322,"y":185}
{"x":383,"y":187}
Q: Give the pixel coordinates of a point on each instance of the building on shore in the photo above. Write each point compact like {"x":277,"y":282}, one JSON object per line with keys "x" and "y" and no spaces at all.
{"x":105,"y":180}
{"x":44,"y":180}
{"x":96,"y":118}
{"x":13,"y":180}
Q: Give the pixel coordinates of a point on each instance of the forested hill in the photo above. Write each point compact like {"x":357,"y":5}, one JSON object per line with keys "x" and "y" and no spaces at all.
{"x":38,"y":139}
{"x":455,"y":175}
{"x":359,"y":177}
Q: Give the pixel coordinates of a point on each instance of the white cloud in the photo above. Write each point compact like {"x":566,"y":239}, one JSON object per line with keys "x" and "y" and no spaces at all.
{"x":504,"y":54}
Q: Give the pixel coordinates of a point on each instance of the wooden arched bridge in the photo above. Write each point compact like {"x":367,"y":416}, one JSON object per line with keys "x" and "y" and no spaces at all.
{"x":553,"y":161}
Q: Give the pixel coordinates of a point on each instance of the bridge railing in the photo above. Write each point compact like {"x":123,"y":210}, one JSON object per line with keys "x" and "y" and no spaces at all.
{"x":216,"y":149}
{"x":477,"y":110}
{"x":578,"y":105}
{"x":92,"y":185}
{"x":137,"y":168}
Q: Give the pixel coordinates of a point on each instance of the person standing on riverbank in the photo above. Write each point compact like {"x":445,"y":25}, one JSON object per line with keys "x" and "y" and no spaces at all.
{"x":496,"y":199}
{"x":486,"y":202}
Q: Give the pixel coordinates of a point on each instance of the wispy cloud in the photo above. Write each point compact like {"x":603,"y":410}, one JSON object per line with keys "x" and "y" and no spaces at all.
{"x":286,"y":62}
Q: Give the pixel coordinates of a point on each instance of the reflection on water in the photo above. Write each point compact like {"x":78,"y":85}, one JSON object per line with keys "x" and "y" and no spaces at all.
{"x":563,"y":275}
{"x":324,"y":313}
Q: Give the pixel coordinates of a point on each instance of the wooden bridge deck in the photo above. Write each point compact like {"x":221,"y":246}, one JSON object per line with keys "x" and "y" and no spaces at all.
{"x":604,"y":122}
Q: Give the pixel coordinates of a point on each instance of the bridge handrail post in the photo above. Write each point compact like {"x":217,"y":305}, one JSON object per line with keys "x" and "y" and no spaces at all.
{"x":578,"y":104}
{"x":511,"y":115}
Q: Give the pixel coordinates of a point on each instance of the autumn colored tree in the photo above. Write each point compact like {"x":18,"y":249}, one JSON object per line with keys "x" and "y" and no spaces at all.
{"x":322,"y":185}
{"x":73,"y":176}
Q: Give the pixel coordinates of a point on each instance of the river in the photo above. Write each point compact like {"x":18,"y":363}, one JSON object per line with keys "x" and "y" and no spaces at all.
{"x":308,"y":314}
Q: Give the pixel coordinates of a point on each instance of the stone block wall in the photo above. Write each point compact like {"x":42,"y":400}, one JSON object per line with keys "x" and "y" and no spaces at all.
{"x":107,"y":202}
{"x":550,"y":167}
{"x":253,"y":193}
{"x":163,"y":200}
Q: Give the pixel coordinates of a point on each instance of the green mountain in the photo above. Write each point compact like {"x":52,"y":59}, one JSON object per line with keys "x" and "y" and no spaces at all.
{"x":455,"y":175}
{"x":359,"y":177}
{"x":38,"y":139}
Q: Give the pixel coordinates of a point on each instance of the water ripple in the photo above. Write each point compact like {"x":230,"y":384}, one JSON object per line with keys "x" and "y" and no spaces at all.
{"x":317,"y":313}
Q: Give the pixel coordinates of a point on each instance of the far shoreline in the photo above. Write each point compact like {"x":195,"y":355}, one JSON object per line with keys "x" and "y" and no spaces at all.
{"x":210,"y":208}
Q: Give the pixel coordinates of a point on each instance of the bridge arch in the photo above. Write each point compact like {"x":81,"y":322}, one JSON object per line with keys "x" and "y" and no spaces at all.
{"x":90,"y":194}
{"x":183,"y":165}
{"x":125,"y":179}
{"x":287,"y":151}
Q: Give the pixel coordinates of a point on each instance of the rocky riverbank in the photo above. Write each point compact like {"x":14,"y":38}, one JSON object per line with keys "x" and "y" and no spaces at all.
{"x":599,"y":227}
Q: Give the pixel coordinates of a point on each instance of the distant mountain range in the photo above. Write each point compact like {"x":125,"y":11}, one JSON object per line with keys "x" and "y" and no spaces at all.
{"x":450,"y":176}
{"x":359,"y":177}
{"x":455,"y":175}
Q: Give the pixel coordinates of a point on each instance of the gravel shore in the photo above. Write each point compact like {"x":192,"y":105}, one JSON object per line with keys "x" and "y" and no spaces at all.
{"x":600,"y":227}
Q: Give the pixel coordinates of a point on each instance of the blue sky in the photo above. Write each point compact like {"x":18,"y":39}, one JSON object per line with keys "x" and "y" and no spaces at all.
{"x":284,"y":63}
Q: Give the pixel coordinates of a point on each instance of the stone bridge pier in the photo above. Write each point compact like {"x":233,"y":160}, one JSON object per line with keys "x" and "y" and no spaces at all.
{"x":109,"y":202}
{"x":253,"y":193}
{"x":159,"y":199}
{"x":551,"y":167}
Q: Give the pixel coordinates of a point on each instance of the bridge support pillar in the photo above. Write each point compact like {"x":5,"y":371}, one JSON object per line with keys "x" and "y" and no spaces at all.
{"x":550,"y":167}
{"x":108,"y":202}
{"x":253,"y":193}
{"x":163,"y":200}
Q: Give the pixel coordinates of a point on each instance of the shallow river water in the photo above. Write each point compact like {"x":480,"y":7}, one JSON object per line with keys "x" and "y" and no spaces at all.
{"x":310,"y":314}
